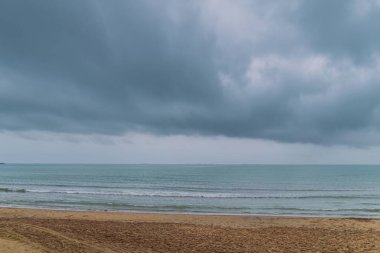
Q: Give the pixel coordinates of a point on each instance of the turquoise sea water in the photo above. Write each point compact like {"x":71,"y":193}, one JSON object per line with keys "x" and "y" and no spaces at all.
{"x":228,"y":189}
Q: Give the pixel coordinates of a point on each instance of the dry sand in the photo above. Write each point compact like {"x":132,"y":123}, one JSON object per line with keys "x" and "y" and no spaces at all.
{"x":27,"y":230}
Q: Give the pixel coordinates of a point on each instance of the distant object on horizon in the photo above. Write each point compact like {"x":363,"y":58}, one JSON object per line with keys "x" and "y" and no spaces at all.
{"x":2,"y":163}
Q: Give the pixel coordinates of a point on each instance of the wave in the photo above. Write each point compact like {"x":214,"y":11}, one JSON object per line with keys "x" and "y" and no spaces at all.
{"x":292,"y":209}
{"x":180,"y":194}
{"x":143,"y":193}
{"x":12,"y":190}
{"x":193,"y":188}
{"x":128,"y":206}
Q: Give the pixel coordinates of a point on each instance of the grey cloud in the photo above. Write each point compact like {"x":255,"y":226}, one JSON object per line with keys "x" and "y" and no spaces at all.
{"x":111,"y":67}
{"x":342,"y":28}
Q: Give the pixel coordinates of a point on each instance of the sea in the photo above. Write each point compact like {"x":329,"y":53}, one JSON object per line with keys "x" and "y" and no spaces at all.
{"x":280,"y":190}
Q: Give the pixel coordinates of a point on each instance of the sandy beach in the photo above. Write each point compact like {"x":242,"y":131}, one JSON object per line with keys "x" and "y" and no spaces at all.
{"x":30,"y":230}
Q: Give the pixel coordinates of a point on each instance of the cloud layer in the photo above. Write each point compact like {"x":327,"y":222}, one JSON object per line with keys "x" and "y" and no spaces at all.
{"x":294,"y":71}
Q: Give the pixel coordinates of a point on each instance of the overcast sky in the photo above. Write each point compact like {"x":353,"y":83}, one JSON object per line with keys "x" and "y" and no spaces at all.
{"x":197,"y":81}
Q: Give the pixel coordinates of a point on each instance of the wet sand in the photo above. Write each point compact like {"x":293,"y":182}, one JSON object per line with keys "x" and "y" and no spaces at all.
{"x":30,"y":230}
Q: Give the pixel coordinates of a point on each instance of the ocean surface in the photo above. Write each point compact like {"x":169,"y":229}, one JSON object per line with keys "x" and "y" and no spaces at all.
{"x":226,"y":189}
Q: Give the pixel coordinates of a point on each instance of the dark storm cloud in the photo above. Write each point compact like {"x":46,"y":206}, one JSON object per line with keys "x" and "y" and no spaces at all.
{"x":343,"y":28}
{"x":301,"y":72}
{"x":98,"y":66}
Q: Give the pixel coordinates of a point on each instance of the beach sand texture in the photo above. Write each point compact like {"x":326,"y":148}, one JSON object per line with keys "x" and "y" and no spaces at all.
{"x":27,"y":230}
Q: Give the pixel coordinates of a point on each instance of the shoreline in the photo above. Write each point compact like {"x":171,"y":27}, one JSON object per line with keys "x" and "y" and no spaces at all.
{"x":196,"y":213}
{"x":42,"y":230}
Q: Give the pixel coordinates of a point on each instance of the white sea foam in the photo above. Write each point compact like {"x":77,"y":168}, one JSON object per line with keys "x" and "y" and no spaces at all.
{"x":182,"y":194}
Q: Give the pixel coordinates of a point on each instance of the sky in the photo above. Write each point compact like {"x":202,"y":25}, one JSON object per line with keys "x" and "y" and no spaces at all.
{"x":199,"y":81}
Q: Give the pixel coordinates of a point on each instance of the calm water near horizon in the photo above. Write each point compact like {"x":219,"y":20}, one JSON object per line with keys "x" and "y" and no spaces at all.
{"x":315,"y":190}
